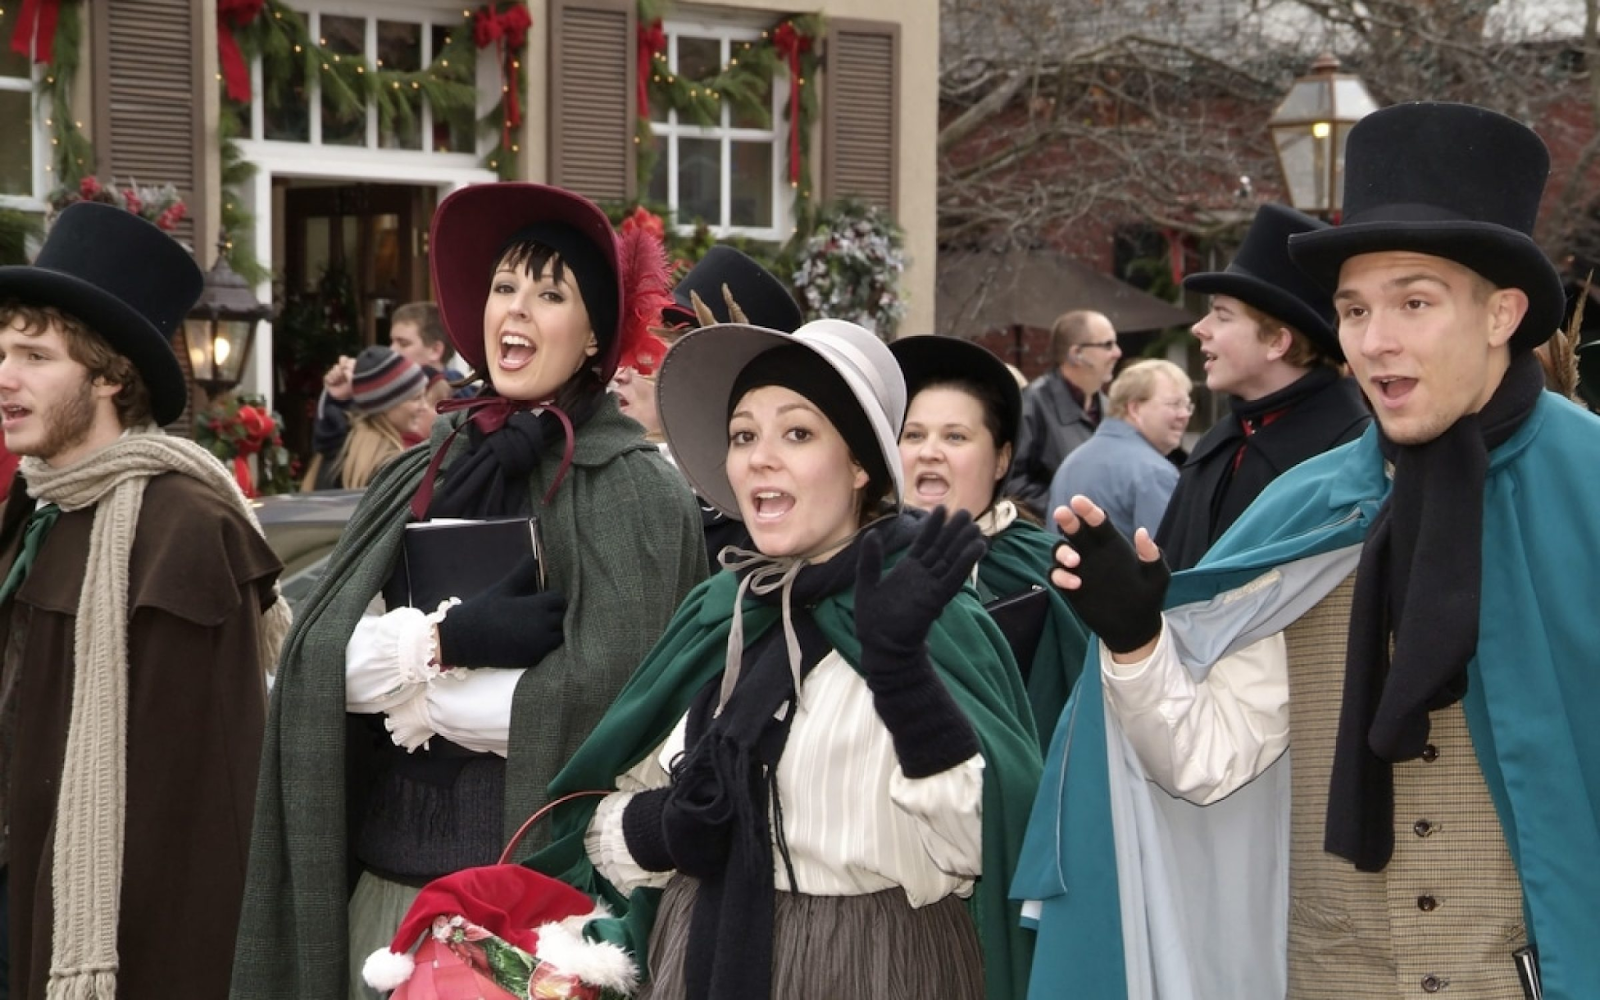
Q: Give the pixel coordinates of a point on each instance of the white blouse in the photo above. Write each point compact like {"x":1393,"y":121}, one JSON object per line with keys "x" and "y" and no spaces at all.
{"x":392,"y":667}
{"x":853,"y":823}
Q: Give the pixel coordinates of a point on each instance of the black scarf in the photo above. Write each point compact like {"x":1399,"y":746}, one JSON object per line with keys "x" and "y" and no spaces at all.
{"x":491,"y":479}
{"x":1302,"y":388}
{"x":1420,"y":581}
{"x":729,"y":776}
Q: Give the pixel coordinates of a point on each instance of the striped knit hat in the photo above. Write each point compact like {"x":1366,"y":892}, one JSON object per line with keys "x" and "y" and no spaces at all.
{"x":383,"y":378}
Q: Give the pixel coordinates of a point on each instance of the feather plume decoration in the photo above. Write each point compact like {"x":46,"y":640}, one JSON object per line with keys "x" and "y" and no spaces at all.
{"x":647,"y":285}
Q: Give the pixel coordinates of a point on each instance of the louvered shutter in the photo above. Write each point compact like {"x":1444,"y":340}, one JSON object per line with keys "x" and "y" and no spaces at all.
{"x":149,"y":120}
{"x":592,"y":82}
{"x":861,"y":112}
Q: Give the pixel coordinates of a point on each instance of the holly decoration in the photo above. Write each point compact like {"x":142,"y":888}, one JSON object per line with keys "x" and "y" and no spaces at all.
{"x":237,"y":427}
{"x":160,"y":205}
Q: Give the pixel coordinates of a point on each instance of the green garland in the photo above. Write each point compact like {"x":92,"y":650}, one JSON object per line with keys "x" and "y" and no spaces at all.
{"x":71,"y":155}
{"x":745,"y":84}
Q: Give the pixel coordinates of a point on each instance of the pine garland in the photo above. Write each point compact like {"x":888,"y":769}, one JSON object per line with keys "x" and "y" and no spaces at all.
{"x":745,"y":84}
{"x":71,"y":154}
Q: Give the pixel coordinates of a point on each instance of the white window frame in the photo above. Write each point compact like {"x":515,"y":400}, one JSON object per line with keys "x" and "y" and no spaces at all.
{"x":372,"y":160}
{"x":729,"y":34}
{"x":40,"y":146}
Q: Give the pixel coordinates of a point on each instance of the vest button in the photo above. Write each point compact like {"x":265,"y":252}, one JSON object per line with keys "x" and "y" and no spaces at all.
{"x":1423,"y":828}
{"x":1430,"y":753}
{"x":1427,"y":904}
{"x":1433,"y":984}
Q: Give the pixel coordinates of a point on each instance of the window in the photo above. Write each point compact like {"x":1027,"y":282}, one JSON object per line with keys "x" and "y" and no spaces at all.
{"x":731,"y":174}
{"x":22,"y":149}
{"x":297,"y":110}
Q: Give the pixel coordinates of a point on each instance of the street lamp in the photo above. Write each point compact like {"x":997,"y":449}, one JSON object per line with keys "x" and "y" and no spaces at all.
{"x":221,"y":328}
{"x":1309,"y":131}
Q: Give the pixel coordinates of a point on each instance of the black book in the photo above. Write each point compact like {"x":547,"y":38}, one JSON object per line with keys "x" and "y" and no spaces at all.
{"x":448,"y":557}
{"x":1021,"y":618}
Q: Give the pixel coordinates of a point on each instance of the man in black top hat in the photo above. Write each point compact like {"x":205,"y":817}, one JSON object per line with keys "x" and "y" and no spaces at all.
{"x":1270,"y":344}
{"x":1412,"y":609}
{"x":139,"y":615}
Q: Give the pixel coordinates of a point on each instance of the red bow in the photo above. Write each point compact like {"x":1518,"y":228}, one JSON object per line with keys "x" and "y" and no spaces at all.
{"x":652,"y":42}
{"x":231,"y":16}
{"x":791,"y":44}
{"x":37,"y":19}
{"x":508,"y":31}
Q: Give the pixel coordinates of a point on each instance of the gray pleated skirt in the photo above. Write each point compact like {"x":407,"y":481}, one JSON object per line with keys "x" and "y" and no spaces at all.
{"x":875,"y":947}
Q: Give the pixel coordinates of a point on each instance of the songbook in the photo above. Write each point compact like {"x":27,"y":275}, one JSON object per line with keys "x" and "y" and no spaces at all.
{"x":1021,"y":618}
{"x":454,"y":557}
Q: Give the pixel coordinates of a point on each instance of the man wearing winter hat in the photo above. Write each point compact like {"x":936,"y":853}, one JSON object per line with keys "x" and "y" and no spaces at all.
{"x":1393,"y":607}
{"x":1270,"y":344}
{"x":138,"y":615}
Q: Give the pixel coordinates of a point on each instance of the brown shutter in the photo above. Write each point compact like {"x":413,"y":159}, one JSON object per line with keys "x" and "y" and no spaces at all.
{"x":149,"y":119}
{"x":592,"y":81}
{"x":861,"y":112}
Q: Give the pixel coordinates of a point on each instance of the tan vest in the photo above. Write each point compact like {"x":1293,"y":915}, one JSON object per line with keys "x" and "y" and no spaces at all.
{"x":1446,"y":914}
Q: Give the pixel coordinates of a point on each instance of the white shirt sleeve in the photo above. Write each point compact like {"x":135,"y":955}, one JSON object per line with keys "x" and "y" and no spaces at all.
{"x":1203,"y":741}
{"x":604,"y":840}
{"x":391,"y":667}
{"x":949,"y":811}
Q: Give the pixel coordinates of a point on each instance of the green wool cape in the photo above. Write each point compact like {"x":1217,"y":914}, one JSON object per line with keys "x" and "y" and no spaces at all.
{"x":622,"y":542}
{"x":1020,"y":557}
{"x":968,"y":651}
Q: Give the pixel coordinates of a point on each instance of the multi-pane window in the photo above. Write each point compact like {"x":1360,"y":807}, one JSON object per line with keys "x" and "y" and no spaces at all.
{"x":302,"y":110}
{"x":731,"y":174}
{"x":21,"y":153}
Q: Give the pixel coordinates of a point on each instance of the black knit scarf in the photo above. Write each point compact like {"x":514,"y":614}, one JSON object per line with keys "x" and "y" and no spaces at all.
{"x":491,"y":479}
{"x":728,"y":776}
{"x":1419,"y":581}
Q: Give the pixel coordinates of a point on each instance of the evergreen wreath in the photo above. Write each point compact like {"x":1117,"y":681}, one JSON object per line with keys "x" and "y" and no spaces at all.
{"x":851,"y":266}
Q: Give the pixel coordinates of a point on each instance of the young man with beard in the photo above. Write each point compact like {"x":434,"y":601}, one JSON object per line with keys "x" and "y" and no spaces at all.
{"x":138,"y":616}
{"x":1062,"y":407}
{"x":1270,"y":344}
{"x":1411,"y":608}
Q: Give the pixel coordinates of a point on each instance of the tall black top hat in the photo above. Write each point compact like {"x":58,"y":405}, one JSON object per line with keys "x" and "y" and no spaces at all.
{"x":762,"y":297}
{"x":128,"y":281}
{"x":1262,"y":275}
{"x":1452,"y":181}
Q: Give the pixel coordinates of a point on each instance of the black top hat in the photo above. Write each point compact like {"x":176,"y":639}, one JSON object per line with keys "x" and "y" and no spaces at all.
{"x":1262,"y":275}
{"x":930,"y":359}
{"x":762,"y":297}
{"x":1452,"y":181}
{"x":126,"y":280}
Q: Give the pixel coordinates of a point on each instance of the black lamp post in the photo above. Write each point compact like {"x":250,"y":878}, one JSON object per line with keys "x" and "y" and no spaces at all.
{"x":1309,"y":131}
{"x":221,"y":328}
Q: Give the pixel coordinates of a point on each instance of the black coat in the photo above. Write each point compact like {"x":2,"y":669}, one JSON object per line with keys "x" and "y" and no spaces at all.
{"x":1211,"y":496}
{"x":1053,"y":423}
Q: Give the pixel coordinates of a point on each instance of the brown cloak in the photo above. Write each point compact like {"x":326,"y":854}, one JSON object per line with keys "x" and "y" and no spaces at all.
{"x":199,"y":578}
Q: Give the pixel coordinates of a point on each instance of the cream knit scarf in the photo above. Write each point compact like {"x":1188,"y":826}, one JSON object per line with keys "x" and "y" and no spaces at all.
{"x":90,"y":807}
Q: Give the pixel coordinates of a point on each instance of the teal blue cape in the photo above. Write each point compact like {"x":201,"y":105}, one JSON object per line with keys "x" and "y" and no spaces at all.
{"x":969,"y":653}
{"x":1532,"y":707}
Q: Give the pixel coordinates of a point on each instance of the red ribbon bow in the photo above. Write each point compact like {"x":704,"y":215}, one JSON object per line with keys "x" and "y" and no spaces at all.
{"x":507,"y":30}
{"x":489,"y":414}
{"x":652,"y":42}
{"x":37,"y":19}
{"x":231,"y":16}
{"x":791,"y":44}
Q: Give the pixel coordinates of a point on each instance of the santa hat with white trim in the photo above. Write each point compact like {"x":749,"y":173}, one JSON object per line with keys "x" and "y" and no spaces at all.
{"x":529,"y":911}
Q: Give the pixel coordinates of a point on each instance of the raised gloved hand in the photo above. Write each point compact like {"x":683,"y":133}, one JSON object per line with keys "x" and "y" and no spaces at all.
{"x":512,"y":624}
{"x":1117,"y":588}
{"x":894,"y":614}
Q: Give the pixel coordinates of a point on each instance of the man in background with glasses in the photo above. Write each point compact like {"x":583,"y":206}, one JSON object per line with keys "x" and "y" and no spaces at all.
{"x":1062,"y":408}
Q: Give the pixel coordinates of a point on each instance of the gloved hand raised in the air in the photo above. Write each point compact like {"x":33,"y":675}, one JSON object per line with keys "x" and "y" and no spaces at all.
{"x":1117,"y":588}
{"x":512,"y":624}
{"x":894,"y":613}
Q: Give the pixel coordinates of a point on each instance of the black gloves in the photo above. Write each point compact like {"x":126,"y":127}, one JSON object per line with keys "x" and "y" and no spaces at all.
{"x":686,"y":827}
{"x":1121,"y":596}
{"x":893,"y":616}
{"x":512,"y":624}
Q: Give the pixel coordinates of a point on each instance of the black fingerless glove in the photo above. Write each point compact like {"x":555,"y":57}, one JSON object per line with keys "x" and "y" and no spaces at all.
{"x":1121,"y":595}
{"x":512,"y":624}
{"x":893,"y":616}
